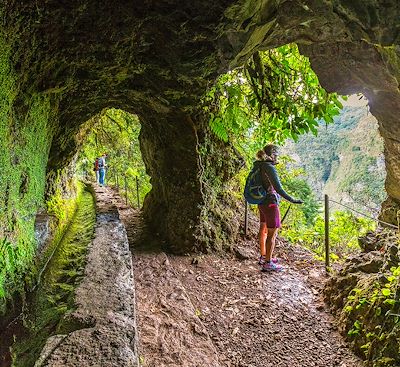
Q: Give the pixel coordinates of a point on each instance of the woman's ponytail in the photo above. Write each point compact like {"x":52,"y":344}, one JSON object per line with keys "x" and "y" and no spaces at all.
{"x":261,"y":156}
{"x":265,"y":154}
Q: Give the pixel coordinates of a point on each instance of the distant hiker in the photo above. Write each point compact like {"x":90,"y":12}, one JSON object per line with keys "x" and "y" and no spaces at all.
{"x":102,"y":169}
{"x":270,"y":220}
{"x":96,"y":169}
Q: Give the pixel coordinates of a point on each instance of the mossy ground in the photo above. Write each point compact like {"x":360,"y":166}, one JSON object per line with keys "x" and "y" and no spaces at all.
{"x":54,"y":296}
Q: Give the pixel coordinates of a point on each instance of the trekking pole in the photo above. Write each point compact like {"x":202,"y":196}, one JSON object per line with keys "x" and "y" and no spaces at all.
{"x":286,"y":213}
{"x":246,"y":216}
{"x":126,"y":191}
{"x":326,"y":233}
{"x":137,"y":192}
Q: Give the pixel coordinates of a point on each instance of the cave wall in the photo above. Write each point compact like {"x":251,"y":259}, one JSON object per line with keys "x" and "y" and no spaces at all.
{"x":64,"y":62}
{"x":26,"y":130}
{"x":169,"y":150}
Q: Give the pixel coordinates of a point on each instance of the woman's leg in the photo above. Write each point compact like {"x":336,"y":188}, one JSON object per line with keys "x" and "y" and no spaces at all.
{"x":270,"y":243}
{"x":262,"y":236}
{"x":101,"y":178}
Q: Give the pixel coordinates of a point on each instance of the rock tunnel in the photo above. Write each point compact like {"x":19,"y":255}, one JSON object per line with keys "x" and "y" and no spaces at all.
{"x":62,"y":62}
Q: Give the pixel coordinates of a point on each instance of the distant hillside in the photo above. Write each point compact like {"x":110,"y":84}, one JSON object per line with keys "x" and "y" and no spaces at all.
{"x":346,"y":159}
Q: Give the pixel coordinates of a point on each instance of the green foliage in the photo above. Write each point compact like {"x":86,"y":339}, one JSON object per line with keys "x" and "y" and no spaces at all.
{"x":274,"y":96}
{"x":116,"y":133}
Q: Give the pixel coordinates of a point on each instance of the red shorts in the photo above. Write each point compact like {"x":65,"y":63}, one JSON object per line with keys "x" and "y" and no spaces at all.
{"x":270,"y":214}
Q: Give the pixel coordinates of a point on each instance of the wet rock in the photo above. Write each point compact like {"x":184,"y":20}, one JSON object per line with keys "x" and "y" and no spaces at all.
{"x":369,"y":262}
{"x":368,"y":242}
{"x":242,"y":253}
{"x":42,"y":229}
{"x":371,"y":266}
{"x":392,"y":256}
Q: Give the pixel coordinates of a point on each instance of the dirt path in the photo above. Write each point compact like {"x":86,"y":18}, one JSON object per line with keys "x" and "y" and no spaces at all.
{"x":266,"y":320}
{"x":214,"y":311}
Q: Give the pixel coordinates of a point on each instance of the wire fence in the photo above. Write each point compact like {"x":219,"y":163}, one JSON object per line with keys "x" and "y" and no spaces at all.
{"x":363,"y":214}
{"x":327,"y":200}
{"x":127,"y":186}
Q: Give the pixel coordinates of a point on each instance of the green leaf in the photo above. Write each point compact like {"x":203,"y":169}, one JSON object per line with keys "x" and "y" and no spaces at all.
{"x":313,"y":130}
{"x":389,"y":301}
{"x":338,"y":103}
{"x":386,"y":292}
{"x":357,"y":325}
{"x":218,"y":129}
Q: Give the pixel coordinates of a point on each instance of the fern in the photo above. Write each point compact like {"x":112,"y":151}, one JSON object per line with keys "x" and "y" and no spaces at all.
{"x":218,"y":128}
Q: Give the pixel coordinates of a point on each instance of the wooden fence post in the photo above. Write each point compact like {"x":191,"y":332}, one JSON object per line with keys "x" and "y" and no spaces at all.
{"x":327,"y":260}
{"x":137,"y":192}
{"x":246,"y":216}
{"x":126,"y":191}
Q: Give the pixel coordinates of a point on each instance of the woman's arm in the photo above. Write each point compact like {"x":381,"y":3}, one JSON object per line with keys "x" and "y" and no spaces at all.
{"x":270,"y":175}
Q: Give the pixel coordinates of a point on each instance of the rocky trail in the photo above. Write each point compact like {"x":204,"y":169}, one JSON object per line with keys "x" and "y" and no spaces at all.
{"x":222,"y":311}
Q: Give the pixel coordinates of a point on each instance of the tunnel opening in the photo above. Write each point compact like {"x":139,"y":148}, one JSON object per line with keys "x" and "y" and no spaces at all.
{"x":114,"y":135}
{"x":346,"y":162}
{"x":333,"y":145}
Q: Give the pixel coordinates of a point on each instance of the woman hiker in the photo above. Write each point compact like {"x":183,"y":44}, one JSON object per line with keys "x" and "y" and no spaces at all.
{"x":270,"y":220}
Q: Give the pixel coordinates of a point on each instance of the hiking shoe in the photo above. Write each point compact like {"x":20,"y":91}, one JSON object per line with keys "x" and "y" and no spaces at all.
{"x":262,"y":261}
{"x":271,"y":266}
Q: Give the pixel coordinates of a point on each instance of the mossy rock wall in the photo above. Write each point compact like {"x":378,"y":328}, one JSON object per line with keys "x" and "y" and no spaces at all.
{"x":189,"y":205}
{"x":26,"y":131}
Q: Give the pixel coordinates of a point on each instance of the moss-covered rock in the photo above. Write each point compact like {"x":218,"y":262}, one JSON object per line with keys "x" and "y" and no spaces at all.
{"x":365,"y":296}
{"x":25,"y":137}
